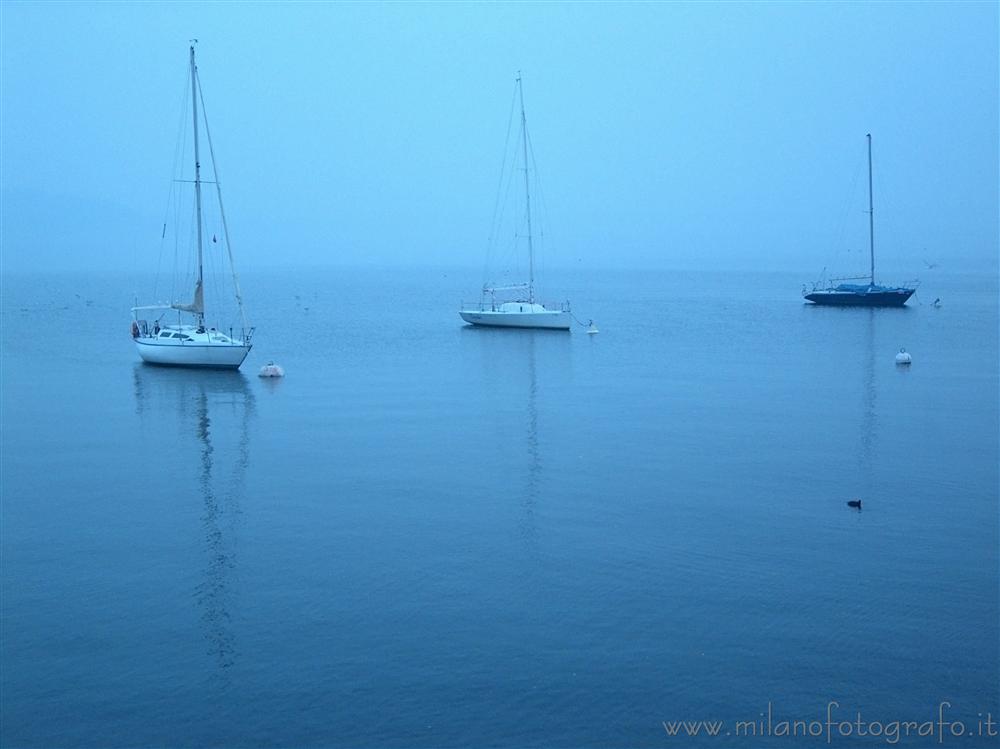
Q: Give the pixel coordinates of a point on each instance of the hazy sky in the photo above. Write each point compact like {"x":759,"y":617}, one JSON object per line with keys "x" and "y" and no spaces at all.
{"x":666,"y":134}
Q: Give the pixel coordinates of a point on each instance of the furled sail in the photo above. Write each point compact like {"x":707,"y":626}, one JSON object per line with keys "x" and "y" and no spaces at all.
{"x":197,"y":306}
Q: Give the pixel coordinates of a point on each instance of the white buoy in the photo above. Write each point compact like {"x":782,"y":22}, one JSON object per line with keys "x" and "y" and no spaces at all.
{"x":903,"y":358}
{"x":271,"y":370}
{"x":592,"y":329}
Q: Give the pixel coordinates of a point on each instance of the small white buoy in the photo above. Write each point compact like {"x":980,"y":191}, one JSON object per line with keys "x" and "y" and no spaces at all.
{"x":271,"y":370}
{"x":902,"y":357}
{"x":592,"y":329}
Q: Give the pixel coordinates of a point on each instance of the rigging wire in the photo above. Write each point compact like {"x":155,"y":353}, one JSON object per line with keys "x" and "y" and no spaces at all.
{"x":508,"y":234}
{"x":887,"y":218}
{"x":222,"y":212}
{"x":841,"y":227}
{"x":503,"y":166}
{"x":542,"y":214}
{"x":189,"y":273}
{"x":504,"y":260}
{"x":171,"y":208}
{"x":844,"y":215}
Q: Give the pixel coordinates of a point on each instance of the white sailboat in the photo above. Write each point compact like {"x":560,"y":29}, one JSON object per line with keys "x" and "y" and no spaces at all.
{"x":515,"y":305}
{"x":188,"y":342}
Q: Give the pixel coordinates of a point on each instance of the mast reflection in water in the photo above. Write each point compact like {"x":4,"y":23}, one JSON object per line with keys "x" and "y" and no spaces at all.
{"x":869,"y":419}
{"x":531,"y":441}
{"x":213,"y":411}
{"x":511,"y":398}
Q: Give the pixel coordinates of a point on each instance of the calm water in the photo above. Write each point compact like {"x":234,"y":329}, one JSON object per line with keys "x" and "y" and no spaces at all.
{"x":429,"y":535}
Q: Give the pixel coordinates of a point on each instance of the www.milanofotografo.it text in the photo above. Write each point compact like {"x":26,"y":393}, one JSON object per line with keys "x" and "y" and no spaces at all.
{"x":838,"y":724}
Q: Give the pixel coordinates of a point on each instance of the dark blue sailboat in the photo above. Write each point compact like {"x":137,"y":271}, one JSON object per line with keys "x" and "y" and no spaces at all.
{"x":868,"y":294}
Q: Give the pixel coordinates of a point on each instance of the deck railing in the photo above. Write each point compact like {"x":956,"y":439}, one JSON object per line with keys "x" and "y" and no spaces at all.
{"x":143,"y":329}
{"x":494,"y":305}
{"x":824,"y":284}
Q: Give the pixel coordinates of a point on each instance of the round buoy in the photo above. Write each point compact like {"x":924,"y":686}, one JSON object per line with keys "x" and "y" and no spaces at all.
{"x":903,"y":358}
{"x":271,"y":370}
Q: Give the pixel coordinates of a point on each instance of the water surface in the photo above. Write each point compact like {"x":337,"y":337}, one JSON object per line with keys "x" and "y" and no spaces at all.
{"x":434,"y":535}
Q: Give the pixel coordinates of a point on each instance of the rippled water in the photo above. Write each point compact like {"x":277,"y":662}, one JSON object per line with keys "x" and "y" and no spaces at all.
{"x":434,"y":535}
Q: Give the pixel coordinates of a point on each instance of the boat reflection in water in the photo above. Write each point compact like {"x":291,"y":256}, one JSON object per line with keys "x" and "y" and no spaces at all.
{"x":209,"y":411}
{"x":534,"y":473}
{"x":869,"y":420}
{"x":510,"y":399}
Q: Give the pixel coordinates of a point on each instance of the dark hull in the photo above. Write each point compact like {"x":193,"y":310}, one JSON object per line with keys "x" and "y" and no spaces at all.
{"x":869,"y":299}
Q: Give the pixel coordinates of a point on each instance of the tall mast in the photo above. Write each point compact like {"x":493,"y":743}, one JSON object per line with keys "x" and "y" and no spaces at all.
{"x":527,"y":194}
{"x":197,"y":175}
{"x":871,"y":210}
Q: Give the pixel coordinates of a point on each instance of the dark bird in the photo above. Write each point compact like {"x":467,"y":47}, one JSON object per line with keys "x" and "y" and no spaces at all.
{"x":854,"y":503}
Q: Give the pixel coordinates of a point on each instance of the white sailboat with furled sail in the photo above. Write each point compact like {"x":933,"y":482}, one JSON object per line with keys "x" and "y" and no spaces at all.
{"x":175,"y":333}
{"x":514,"y":304}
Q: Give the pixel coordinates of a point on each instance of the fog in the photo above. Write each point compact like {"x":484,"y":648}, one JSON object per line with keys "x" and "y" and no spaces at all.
{"x":715,"y":136}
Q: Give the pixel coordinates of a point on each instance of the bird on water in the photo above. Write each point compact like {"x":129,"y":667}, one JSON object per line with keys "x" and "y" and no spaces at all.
{"x":854,"y":503}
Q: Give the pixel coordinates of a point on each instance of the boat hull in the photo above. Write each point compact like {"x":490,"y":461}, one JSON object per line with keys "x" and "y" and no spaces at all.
{"x":548,"y":320}
{"x":894,"y":298}
{"x":206,"y":356}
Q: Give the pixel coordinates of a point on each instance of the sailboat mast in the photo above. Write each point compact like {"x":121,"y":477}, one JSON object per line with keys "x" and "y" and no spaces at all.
{"x":197,"y":176}
{"x":871,"y":211}
{"x":527,"y":194}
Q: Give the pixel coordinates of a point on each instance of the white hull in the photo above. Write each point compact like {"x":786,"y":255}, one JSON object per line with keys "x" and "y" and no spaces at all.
{"x":215,"y":356}
{"x":549,"y":319}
